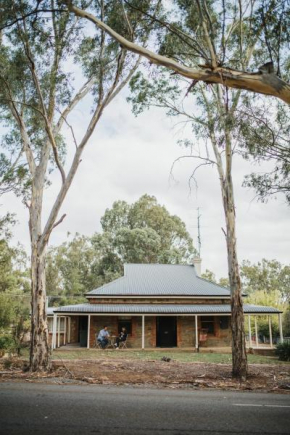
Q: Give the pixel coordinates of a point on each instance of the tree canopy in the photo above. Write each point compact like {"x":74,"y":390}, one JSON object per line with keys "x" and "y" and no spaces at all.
{"x":268,"y":276}
{"x":142,"y":232}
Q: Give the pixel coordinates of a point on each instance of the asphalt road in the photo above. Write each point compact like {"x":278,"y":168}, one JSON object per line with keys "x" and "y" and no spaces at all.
{"x":92,"y":409}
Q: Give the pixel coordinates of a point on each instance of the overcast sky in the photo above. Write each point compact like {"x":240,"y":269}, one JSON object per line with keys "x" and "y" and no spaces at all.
{"x":128,"y":157}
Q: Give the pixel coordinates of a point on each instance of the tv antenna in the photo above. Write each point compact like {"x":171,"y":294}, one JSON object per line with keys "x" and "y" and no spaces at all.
{"x":198,"y":232}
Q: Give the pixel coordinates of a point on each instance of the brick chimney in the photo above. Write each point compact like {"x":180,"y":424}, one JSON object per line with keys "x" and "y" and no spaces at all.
{"x":197,"y":265}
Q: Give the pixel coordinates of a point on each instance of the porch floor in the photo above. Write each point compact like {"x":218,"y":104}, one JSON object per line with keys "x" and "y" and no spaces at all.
{"x":262,"y":350}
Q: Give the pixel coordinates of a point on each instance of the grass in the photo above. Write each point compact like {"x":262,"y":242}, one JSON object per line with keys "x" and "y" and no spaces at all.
{"x":214,"y":358}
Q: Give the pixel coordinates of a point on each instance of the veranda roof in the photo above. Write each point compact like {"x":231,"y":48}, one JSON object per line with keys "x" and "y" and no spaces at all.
{"x":139,"y":309}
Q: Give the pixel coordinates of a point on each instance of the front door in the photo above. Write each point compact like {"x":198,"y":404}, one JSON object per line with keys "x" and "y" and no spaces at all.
{"x":83,"y":330}
{"x":166,"y":331}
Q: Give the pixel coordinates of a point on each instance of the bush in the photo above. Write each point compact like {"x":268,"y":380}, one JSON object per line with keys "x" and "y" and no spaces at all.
{"x":283,"y":351}
{"x":7,"y":363}
{"x":7,"y":342}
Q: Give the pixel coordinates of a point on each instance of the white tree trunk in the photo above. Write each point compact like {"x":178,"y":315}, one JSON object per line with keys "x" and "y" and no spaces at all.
{"x":239,"y":356}
{"x":39,"y":349}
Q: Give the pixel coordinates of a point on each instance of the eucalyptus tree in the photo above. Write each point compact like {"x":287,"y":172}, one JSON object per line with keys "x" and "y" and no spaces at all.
{"x":50,"y":63}
{"x":219,"y":44}
{"x":265,"y":137}
{"x":142,"y":232}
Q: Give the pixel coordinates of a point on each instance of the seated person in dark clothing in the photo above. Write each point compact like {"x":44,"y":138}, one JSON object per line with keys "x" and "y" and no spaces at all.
{"x":122,"y":337}
{"x":103,"y":337}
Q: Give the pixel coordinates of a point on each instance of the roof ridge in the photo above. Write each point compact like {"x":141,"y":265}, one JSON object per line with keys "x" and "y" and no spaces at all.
{"x":156,"y":264}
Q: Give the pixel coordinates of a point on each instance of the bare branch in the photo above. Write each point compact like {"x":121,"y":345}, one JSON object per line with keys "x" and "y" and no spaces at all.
{"x":84,"y":90}
{"x":34,"y":12}
{"x":72,"y":132}
{"x":192,"y":177}
{"x":59,"y":221}
{"x":131,"y":32}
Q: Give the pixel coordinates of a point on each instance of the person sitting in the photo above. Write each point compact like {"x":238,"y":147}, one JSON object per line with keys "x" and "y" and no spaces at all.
{"x":122,"y":337}
{"x":103,"y":337}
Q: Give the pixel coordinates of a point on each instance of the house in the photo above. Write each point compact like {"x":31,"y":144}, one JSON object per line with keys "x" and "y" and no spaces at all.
{"x":160,"y":305}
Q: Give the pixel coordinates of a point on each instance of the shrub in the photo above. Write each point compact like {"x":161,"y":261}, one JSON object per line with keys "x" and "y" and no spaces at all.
{"x":283,"y":351}
{"x":7,"y":342}
{"x":7,"y":363}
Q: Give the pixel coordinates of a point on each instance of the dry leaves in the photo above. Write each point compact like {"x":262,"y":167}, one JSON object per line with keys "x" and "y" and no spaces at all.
{"x":171,"y":374}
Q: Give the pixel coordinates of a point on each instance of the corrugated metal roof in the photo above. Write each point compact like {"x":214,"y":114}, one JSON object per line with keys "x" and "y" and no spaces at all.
{"x":162,"y":280}
{"x":162,"y":309}
{"x":50,"y":310}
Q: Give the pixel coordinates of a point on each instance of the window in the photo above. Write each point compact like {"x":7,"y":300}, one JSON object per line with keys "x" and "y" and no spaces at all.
{"x":61,"y":326}
{"x":125,"y":322}
{"x":207,"y":323}
{"x":49,"y":323}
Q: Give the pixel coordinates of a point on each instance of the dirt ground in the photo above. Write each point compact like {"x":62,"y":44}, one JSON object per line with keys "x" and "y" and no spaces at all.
{"x":171,"y":374}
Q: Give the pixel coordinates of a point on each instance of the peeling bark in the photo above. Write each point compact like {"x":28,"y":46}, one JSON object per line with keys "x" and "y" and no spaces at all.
{"x":239,"y":356}
{"x":39,"y":349}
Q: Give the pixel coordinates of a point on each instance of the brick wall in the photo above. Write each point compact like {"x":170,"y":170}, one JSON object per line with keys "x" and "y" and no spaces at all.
{"x":74,"y":329}
{"x":186,"y":331}
{"x":98,"y":322}
{"x":221,"y":337}
{"x":61,"y":339}
{"x":135,"y":338}
{"x":150,"y":331}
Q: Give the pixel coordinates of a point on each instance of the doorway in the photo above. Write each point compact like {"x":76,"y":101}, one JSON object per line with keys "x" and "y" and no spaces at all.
{"x":166,"y":331}
{"x":83,"y":330}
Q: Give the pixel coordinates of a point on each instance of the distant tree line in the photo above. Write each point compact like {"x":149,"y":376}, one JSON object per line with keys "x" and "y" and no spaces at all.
{"x":266,"y":282}
{"x":142,"y":232}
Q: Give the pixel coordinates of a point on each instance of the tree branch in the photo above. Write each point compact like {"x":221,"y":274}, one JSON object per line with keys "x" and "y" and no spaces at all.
{"x":84,"y":90}
{"x":267,"y":84}
{"x":41,"y":99}
{"x":59,"y":221}
{"x":23,"y":130}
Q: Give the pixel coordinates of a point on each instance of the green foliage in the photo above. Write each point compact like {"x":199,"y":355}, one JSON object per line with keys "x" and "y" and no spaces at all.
{"x":265,"y":283}
{"x":7,"y":342}
{"x":283,"y":351}
{"x":69,"y":267}
{"x":14,"y":320}
{"x":268,"y":276}
{"x":13,"y":261}
{"x":6,"y":311}
{"x":259,"y":128}
{"x":210,"y":276}
{"x":45,"y":53}
{"x":286,"y":322}
{"x":143,"y":232}
{"x":264,"y":136}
